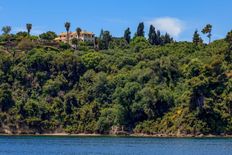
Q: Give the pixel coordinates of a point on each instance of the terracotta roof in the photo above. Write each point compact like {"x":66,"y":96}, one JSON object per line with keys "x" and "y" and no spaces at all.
{"x":63,"y":35}
{"x":74,"y":33}
{"x":83,"y":32}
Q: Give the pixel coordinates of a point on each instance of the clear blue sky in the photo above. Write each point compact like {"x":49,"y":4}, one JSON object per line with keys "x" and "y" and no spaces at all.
{"x":178,"y":17}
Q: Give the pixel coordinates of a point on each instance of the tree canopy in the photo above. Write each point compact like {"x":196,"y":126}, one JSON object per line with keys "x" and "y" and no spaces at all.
{"x":148,"y":86}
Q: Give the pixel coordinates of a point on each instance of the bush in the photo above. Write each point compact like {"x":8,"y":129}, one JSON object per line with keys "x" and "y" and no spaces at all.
{"x":26,"y":44}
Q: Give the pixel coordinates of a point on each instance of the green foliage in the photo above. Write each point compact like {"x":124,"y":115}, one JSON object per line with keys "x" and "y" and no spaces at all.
{"x":64,"y":46}
{"x":52,"y":87}
{"x":6,"y":101}
{"x":91,"y":60}
{"x":139,"y":43}
{"x":48,"y":36}
{"x":118,"y":43}
{"x":175,"y":88}
{"x":228,"y":53}
{"x":166,"y":39}
{"x":6,"y":30}
{"x":26,"y":44}
{"x":155,"y":37}
{"x":109,"y":118}
{"x":105,"y":38}
{"x":196,"y":38}
{"x":20,"y":35}
{"x":74,"y":41}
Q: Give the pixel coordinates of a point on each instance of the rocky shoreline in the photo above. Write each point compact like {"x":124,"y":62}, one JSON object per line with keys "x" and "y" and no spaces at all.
{"x":7,"y":131}
{"x":127,"y":135}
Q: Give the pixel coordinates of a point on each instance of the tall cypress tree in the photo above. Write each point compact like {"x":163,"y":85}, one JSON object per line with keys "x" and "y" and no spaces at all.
{"x":127,"y":35}
{"x":228,"y":53}
{"x":158,"y":40}
{"x":101,"y":34}
{"x":152,"y":36}
{"x":104,"y":40}
{"x":140,"y":30}
{"x":167,"y":39}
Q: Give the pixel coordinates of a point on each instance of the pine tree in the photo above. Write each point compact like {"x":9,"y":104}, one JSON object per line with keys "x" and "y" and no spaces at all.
{"x":127,"y":35}
{"x":196,"y":38}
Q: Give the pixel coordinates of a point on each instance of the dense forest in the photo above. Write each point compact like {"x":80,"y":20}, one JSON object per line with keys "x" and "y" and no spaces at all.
{"x":142,"y":85}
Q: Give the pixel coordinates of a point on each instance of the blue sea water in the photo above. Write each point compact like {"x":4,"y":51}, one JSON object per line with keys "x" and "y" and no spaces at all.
{"x":45,"y":145}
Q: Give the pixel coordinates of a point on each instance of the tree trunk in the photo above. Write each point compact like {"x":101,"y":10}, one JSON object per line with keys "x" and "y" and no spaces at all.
{"x":67,"y":37}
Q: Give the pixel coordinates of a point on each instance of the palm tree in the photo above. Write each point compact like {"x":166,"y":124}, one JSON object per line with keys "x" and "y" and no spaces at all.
{"x":6,"y":30}
{"x":29,"y":27}
{"x":208,"y":30}
{"x":78,"y":30}
{"x":67,"y":27}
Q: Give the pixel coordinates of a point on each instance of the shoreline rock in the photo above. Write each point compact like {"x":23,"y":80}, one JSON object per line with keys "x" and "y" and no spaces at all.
{"x":126,"y":135}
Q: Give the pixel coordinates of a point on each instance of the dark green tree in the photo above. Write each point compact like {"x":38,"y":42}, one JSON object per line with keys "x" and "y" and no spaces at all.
{"x":101,"y":34}
{"x":167,"y":39}
{"x":229,"y":38}
{"x":152,"y":36}
{"x":6,"y":30}
{"x":140,"y":30}
{"x":228,"y":54}
{"x":159,"y":40}
{"x":196,"y":38}
{"x":49,"y":36}
{"x":118,"y":43}
{"x":127,"y":35}
{"x":105,"y":39}
{"x":75,"y":42}
{"x":20,"y":35}
{"x":6,"y":101}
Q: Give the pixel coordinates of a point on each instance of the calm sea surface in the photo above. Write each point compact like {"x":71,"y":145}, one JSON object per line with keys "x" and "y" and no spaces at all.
{"x":36,"y":145}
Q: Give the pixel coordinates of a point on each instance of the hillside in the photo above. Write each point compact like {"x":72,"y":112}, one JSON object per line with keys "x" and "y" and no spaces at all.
{"x":178,"y":88}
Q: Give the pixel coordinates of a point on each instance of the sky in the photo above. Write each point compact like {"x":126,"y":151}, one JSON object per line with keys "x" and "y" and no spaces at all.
{"x":180,"y":18}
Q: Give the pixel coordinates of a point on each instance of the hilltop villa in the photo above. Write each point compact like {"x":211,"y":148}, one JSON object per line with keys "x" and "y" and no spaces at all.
{"x":84,"y":36}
